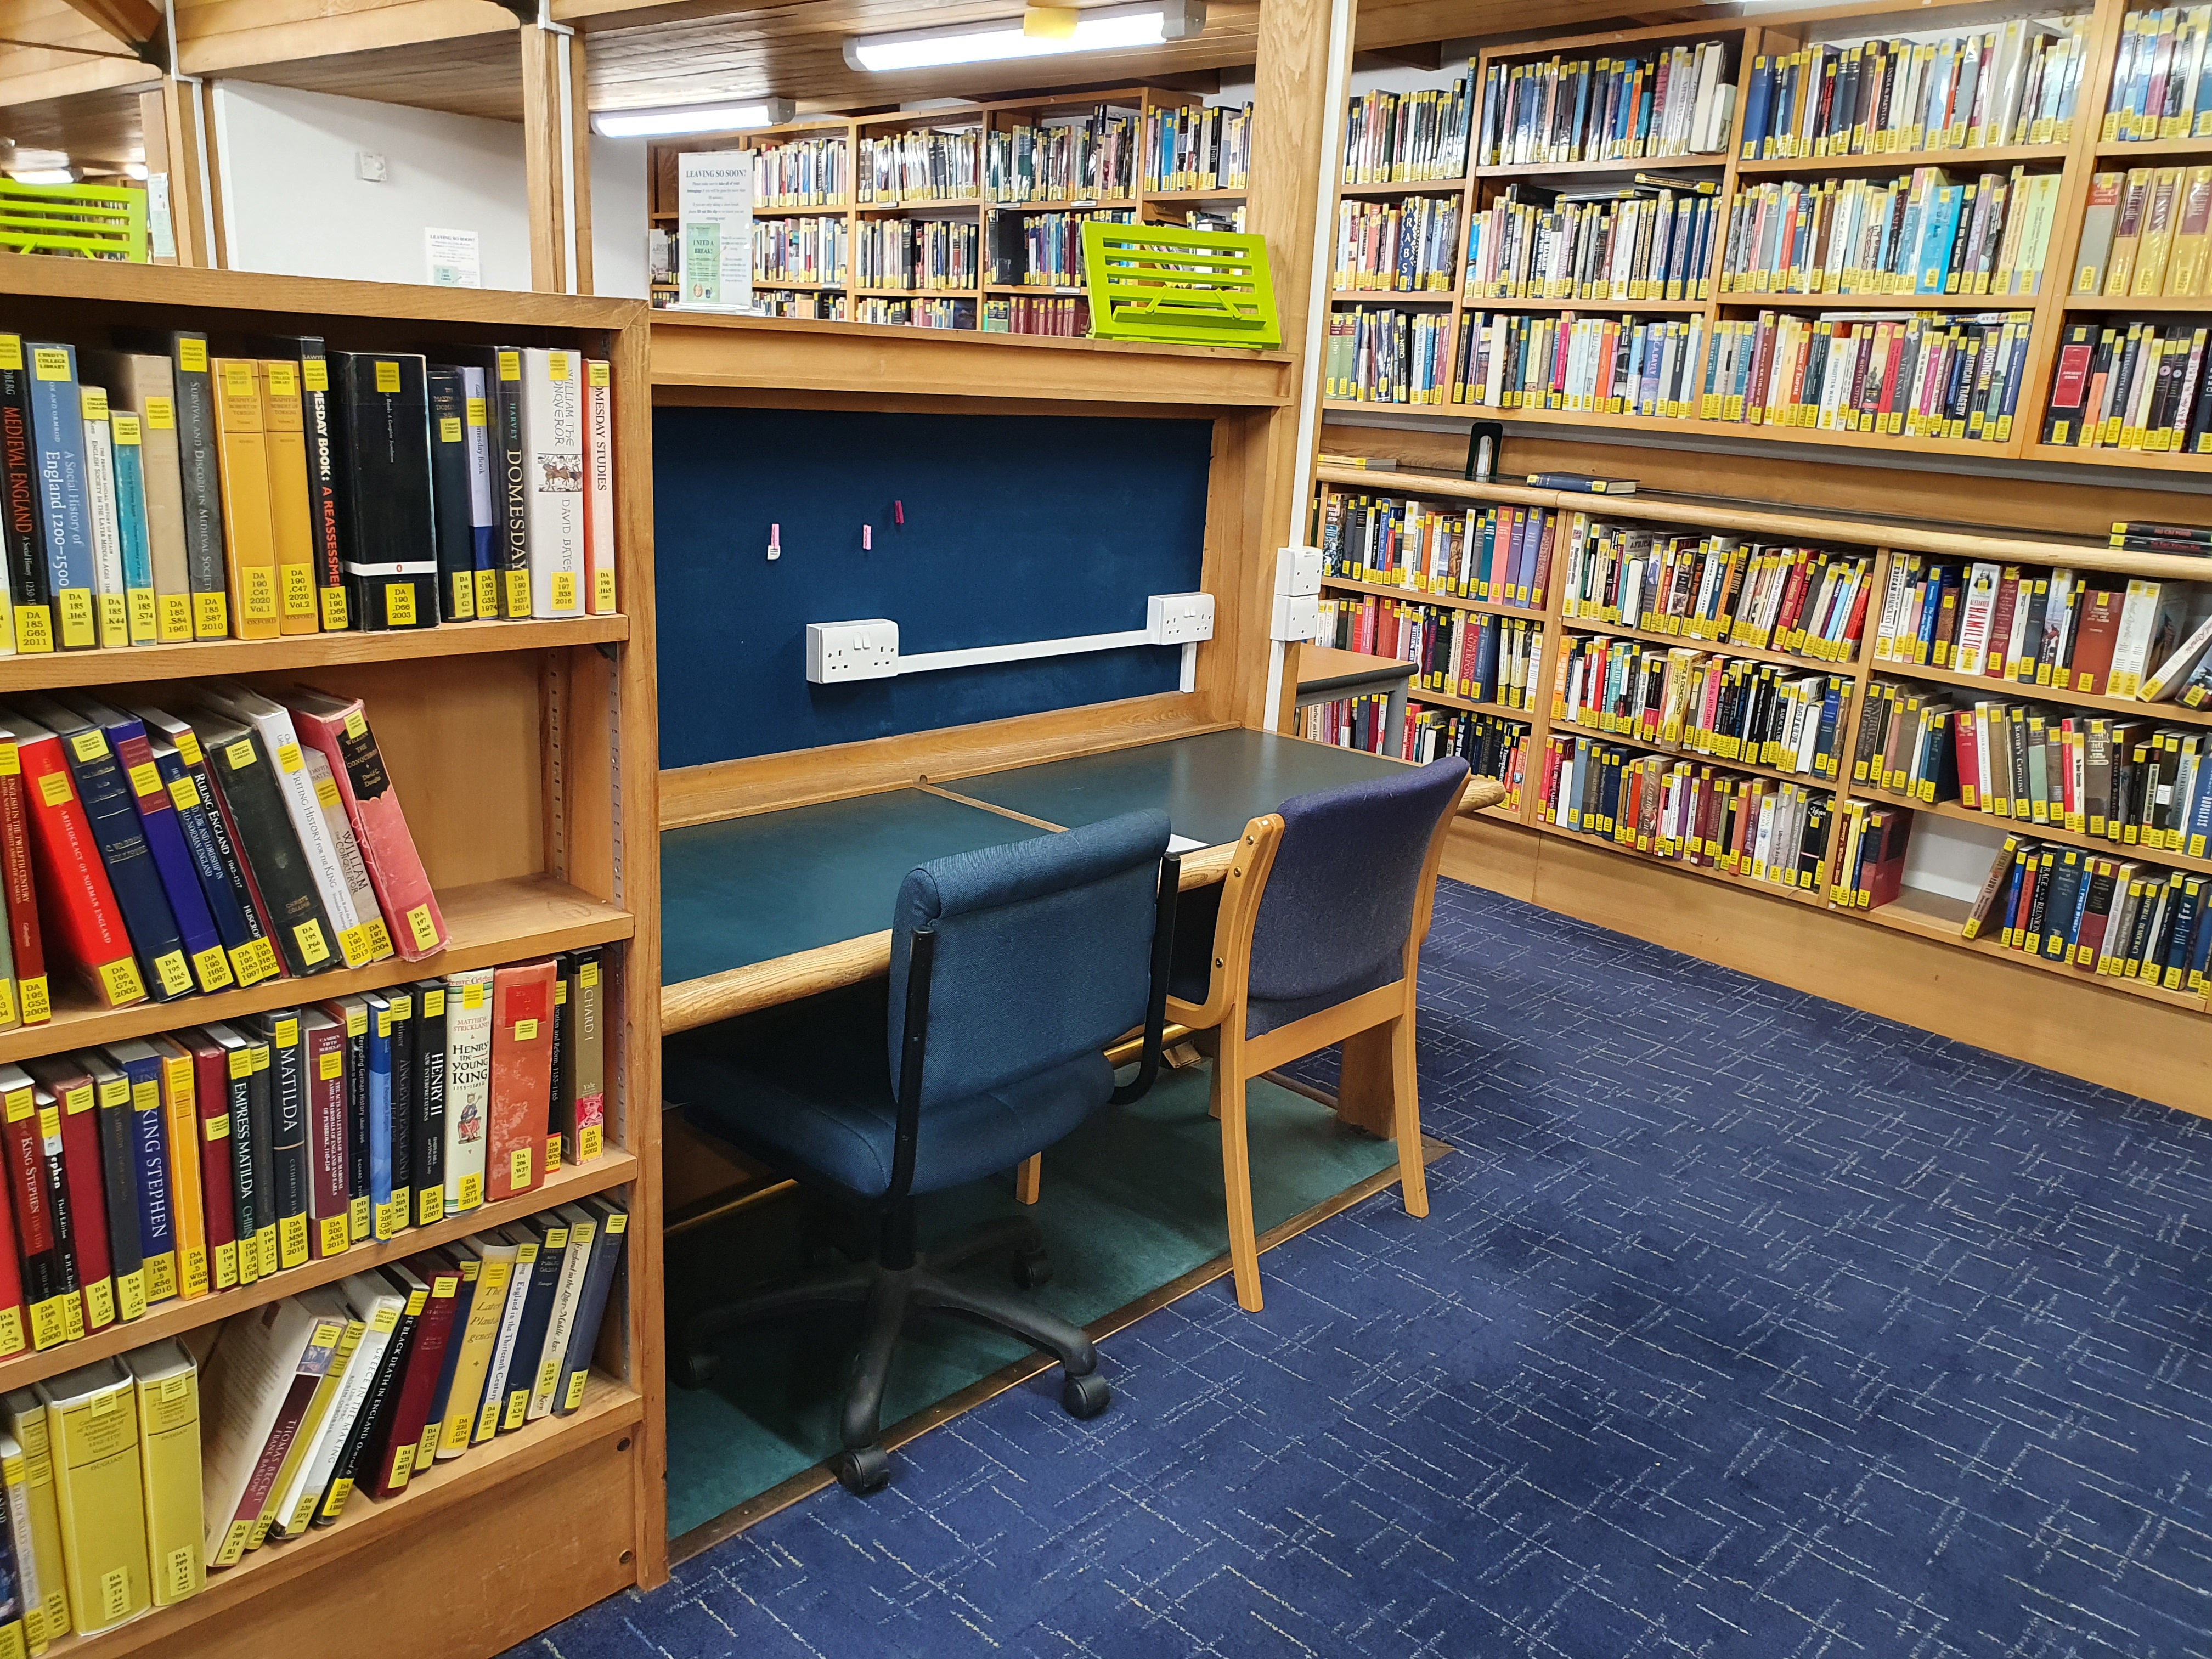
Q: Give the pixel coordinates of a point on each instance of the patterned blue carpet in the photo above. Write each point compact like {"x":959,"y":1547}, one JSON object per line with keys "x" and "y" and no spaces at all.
{"x":1743,"y":1324}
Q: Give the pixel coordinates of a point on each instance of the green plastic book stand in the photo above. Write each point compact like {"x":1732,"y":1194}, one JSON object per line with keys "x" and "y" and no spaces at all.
{"x":1183,"y":287}
{"x":99,"y":222}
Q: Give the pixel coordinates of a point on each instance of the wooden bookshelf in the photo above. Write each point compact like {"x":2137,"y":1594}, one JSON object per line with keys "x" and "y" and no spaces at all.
{"x":1782,"y":31}
{"x":514,"y":747}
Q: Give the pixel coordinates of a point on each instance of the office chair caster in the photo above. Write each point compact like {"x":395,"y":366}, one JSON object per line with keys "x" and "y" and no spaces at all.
{"x":859,"y":1472}
{"x":1032,"y":1271}
{"x":697,"y":1371}
{"x":1084,"y":1397}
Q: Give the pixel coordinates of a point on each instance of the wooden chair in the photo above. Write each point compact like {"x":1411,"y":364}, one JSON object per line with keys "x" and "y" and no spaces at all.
{"x":1316,"y":941}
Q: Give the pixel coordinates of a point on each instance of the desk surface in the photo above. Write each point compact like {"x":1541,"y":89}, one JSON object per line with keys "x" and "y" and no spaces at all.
{"x":1324,"y":667}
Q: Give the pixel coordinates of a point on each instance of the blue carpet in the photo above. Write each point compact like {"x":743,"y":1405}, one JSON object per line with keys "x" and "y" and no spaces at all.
{"x":1743,"y":1324}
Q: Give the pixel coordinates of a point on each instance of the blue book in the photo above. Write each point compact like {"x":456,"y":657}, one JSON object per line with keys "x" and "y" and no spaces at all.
{"x":150,"y":1138}
{"x":1824,"y":745}
{"x":226,"y":906}
{"x":551,"y":1233}
{"x":2188,"y":907}
{"x":2200,"y":816}
{"x":382,"y":1222}
{"x":1940,"y":229}
{"x":469,"y":1266}
{"x":64,"y":491}
{"x":1757,"y":102}
{"x":116,"y":830}
{"x":163,"y":826}
{"x":2200,"y":949}
{"x":130,"y":524}
{"x":592,"y":1302}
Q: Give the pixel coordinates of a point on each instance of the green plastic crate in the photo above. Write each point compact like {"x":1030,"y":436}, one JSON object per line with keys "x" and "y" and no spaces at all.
{"x":1185,"y":286}
{"x":97,"y":221}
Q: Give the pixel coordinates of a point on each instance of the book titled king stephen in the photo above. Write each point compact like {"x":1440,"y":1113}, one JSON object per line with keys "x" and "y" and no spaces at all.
{"x":391,"y":551}
{"x":338,"y":728}
{"x":75,"y":895}
{"x":521,"y":1079}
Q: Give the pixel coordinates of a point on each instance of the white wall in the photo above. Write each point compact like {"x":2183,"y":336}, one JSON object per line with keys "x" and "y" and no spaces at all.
{"x":295,"y":204}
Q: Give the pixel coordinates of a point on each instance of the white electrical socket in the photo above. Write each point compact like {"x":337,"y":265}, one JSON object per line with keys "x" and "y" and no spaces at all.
{"x":1179,"y":618}
{"x":1297,"y":571}
{"x":837,"y":652}
{"x":370,"y":165}
{"x":1297,"y":616}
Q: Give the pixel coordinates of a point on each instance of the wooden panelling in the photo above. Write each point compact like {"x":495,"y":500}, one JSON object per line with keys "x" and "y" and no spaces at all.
{"x":43,"y":89}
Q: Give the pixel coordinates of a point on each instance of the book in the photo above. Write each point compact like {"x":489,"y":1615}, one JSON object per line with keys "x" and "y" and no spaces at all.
{"x":110,"y":610}
{"x":182,"y":1124}
{"x":579,"y":1109}
{"x":351,"y":1014}
{"x":64,"y":510}
{"x":92,"y":1423}
{"x":257,"y":1383}
{"x":1583,"y":482}
{"x":396,"y":1457}
{"x":326,"y":498}
{"x":193,"y":390}
{"x":291,"y":496}
{"x":245,"y":791}
{"x":65,"y":1084}
{"x":600,"y":555}
{"x":280,"y":1029}
{"x":23,"y":1415}
{"x":211,"y":1102}
{"x":38,"y":1239}
{"x":23,"y":1605}
{"x":468,"y":1085}
{"x":521,"y":1080}
{"x":592,"y":1302}
{"x":238,"y":928}
{"x":400,"y":1016}
{"x":390,"y":554}
{"x":386,"y":1195}
{"x":339,"y":729}
{"x":521,"y":1279}
{"x":322,"y":1053}
{"x":375,"y":1307}
{"x":22,"y":527}
{"x":554,"y":507}
{"x":288,"y":1496}
{"x":142,"y":602}
{"x":450,"y":461}
{"x":155,"y":1199}
{"x":167,"y":1385}
{"x":428,"y":1115}
{"x":249,"y":529}
{"x":119,"y":1181}
{"x":583,"y":1227}
{"x":551,"y":1233}
{"x":493,"y":1259}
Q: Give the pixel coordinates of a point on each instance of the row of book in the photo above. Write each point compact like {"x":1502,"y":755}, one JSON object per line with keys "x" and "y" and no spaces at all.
{"x":149,"y":856}
{"x":2145,"y":233}
{"x":1406,"y":247}
{"x":1408,"y":138}
{"x":132,"y":1479}
{"x":814,"y":249}
{"x":1385,"y":356}
{"x":1197,"y":147}
{"x":1478,"y":655}
{"x":2046,"y":627}
{"x":1066,"y":318}
{"x":1923,"y":374}
{"x":2161,"y":89}
{"x":1617,"y":365}
{"x":1805,"y":601}
{"x":816,"y":307}
{"x":1044,"y":249}
{"x":218,"y":1156}
{"x":925,"y":164}
{"x":2012,"y":83}
{"x":2107,"y":916}
{"x":2137,"y":385}
{"x":1500,"y":554}
{"x":1064,"y":160}
{"x":1919,"y":233}
{"x":157,"y":493}
{"x":918,"y":254}
{"x":915,"y":314}
{"x":1493,"y":747}
{"x":1754,"y":829}
{"x":802,"y":172}
{"x":1680,"y":102}
{"x":1725,"y":708}
{"x":1636,"y":242}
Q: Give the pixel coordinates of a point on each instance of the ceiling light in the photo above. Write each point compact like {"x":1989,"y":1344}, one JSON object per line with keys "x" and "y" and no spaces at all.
{"x":692,"y":117}
{"x":1105,"y":28}
{"x":134,"y":170}
{"x":43,"y":175}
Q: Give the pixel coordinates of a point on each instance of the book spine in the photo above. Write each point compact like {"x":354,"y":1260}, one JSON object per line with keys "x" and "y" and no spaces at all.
{"x":468,"y":1086}
{"x":429,"y":1114}
{"x":599,"y":554}
{"x":328,"y":1195}
{"x":112,"y":820}
{"x":372,"y":803}
{"x":321,"y":416}
{"x":592,"y":1306}
{"x":126,"y":1247}
{"x":73,"y":884}
{"x":23,"y":529}
{"x":163,"y":829}
{"x":180,"y":1128}
{"x":64,"y":503}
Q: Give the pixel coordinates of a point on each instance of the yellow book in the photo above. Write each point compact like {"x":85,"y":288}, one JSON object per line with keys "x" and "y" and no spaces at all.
{"x":2127,"y":232}
{"x":248,"y":532}
{"x":92,"y":1416}
{"x":2193,"y":233}
{"x":168,"y":1385}
{"x":291,"y":514}
{"x":2157,"y":244}
{"x":181,"y":1113}
{"x":495,"y":1274}
{"x":24,"y":1419}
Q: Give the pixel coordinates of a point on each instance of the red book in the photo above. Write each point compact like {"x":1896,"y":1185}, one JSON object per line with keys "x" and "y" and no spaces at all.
{"x":2001,"y":620}
{"x":70,"y":1086}
{"x":15,"y":885}
{"x":340,"y":730}
{"x":426,"y":1357}
{"x":327,"y":1194}
{"x":72,"y":881}
{"x":25,"y":1154}
{"x":521,"y":1079}
{"x":211,"y":1101}
{"x":2092,"y":645}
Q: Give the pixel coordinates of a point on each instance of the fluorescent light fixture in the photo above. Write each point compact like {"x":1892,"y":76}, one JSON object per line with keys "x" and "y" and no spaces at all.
{"x":134,"y":170}
{"x":1104,"y":28}
{"x":680,"y":120}
{"x":44,"y":176}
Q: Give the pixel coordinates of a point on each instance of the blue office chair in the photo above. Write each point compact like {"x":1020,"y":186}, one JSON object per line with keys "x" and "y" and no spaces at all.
{"x":1314,"y":939}
{"x":1012,"y":970}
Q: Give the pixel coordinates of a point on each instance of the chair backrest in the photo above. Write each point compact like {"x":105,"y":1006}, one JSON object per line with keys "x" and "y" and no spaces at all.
{"x":1341,"y":899}
{"x":1043,"y":952}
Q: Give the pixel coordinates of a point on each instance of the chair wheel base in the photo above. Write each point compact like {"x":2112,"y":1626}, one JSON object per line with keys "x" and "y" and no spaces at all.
{"x":861,"y":1472}
{"x":1085,"y":1397}
{"x":697,"y":1371}
{"x":1032,"y":1272}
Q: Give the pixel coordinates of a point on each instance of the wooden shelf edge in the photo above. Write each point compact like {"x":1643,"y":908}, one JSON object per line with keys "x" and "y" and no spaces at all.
{"x":613,"y":1168}
{"x":608,"y":1407}
{"x":162,"y":662}
{"x":2029,"y":829}
{"x":1915,"y":915}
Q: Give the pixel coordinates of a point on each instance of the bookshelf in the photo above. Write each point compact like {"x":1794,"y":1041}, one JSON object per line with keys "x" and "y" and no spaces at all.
{"x":988,"y":122}
{"x":1775,"y":32}
{"x":515,"y":747}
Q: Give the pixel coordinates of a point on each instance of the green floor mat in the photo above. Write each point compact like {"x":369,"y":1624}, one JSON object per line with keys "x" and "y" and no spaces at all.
{"x":1132,"y":1200}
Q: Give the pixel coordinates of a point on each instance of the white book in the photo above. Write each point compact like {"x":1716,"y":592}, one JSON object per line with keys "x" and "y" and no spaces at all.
{"x":468,"y":1085}
{"x":600,"y":476}
{"x":1974,"y":618}
{"x":292,"y":1504}
{"x":1892,"y":603}
{"x":348,"y":846}
{"x":553,"y":484}
{"x":272,"y":723}
{"x":510,"y":1331}
{"x":583,"y":1227}
{"x":2139,"y":619}
{"x":31,"y":1597}
{"x":243,"y":1389}
{"x":111,"y":605}
{"x":1701,"y":121}
{"x":2174,"y":672}
{"x":370,"y":1298}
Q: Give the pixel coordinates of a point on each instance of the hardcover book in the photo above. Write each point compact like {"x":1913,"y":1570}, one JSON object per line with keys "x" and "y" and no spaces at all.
{"x":167,"y":1385}
{"x":249,"y":528}
{"x":144,"y":386}
{"x":74,"y":893}
{"x":521,"y":1080}
{"x":22,"y":527}
{"x":245,"y":791}
{"x":339,"y":729}
{"x":64,"y":491}
{"x":391,"y":551}
{"x":92,"y":1420}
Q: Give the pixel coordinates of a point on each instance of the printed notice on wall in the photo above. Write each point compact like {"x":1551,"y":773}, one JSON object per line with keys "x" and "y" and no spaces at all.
{"x":161,"y":229}
{"x":456,"y":258}
{"x":714,"y":224}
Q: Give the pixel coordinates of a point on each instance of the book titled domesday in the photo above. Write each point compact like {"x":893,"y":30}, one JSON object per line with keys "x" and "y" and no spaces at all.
{"x":339,"y":728}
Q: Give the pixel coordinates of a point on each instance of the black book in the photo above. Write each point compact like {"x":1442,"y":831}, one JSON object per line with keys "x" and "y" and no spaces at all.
{"x":2200,"y":420}
{"x":254,"y":959}
{"x":429,"y":1114}
{"x":592,"y":1302}
{"x":401,"y":1007}
{"x":564,"y":998}
{"x":30,"y":587}
{"x":58,"y":1203}
{"x":112,"y":813}
{"x":449,"y":495}
{"x":371,"y":1423}
{"x":200,"y":471}
{"x":261,"y":1114}
{"x":327,"y":507}
{"x":288,"y":1125}
{"x":530,"y":1357}
{"x":2188,"y":905}
{"x":2040,"y":907}
{"x":2056,"y":939}
{"x":249,"y":1199}
{"x":247,"y":795}
{"x":390,"y":532}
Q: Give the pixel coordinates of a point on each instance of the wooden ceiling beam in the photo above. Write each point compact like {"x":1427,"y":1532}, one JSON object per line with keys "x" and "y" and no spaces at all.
{"x":136,"y":23}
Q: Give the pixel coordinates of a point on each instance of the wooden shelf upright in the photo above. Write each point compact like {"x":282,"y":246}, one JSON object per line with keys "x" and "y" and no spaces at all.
{"x":517,"y":749}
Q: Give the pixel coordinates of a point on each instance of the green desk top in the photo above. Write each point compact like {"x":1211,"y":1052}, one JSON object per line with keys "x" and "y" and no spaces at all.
{"x":751,"y":889}
{"x":1211,"y":784}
